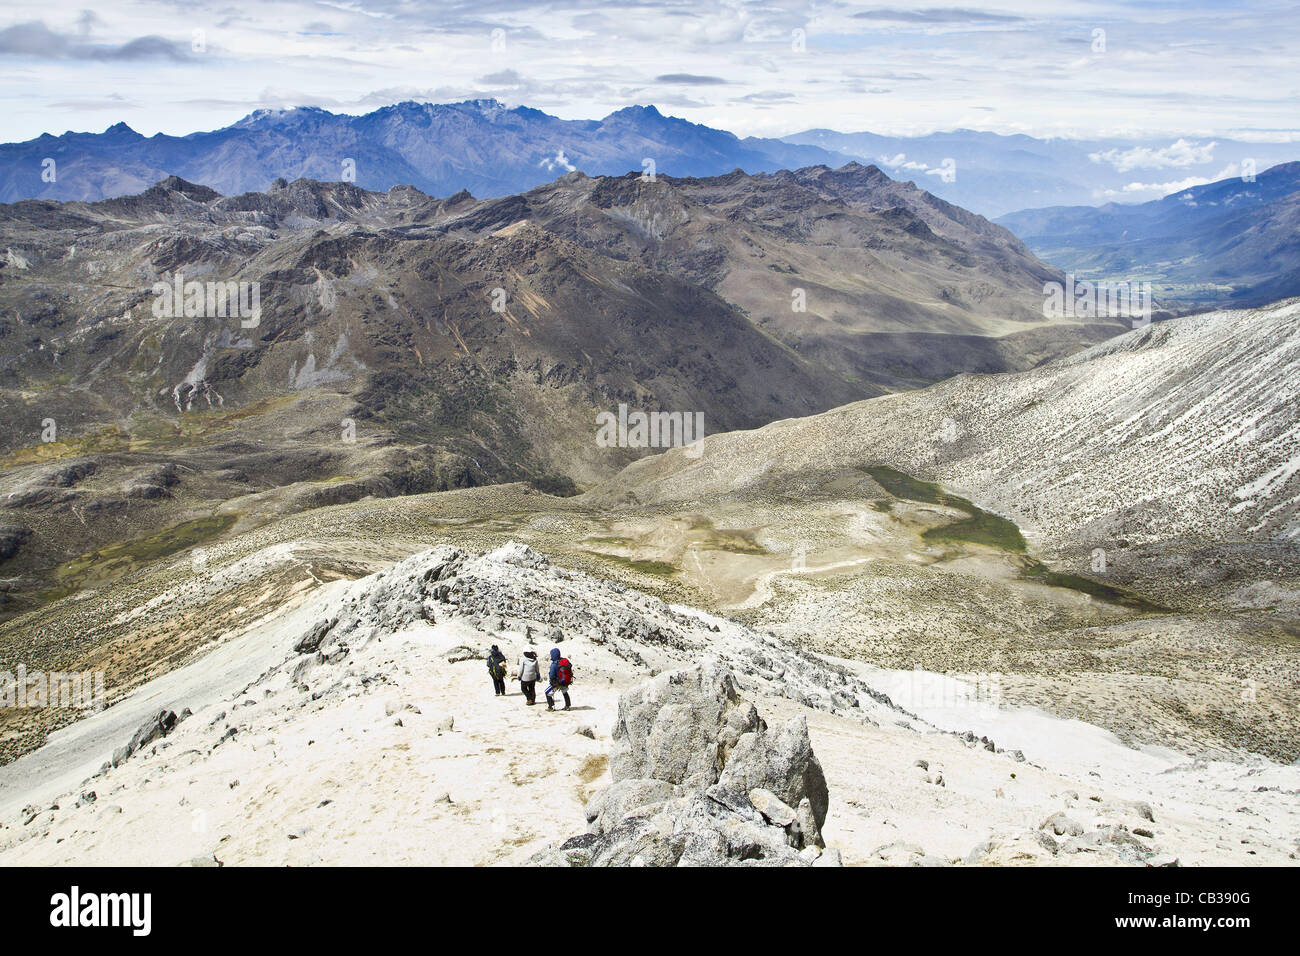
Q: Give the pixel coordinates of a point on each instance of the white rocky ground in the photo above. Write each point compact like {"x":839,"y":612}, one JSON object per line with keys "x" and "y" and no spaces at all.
{"x":385,"y":744}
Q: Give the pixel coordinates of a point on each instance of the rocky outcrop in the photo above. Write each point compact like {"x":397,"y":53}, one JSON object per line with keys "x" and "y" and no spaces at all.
{"x":157,"y":726}
{"x":700,"y":779}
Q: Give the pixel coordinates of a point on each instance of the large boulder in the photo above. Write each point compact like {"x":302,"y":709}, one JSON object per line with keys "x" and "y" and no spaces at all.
{"x":700,"y":780}
{"x":680,"y":727}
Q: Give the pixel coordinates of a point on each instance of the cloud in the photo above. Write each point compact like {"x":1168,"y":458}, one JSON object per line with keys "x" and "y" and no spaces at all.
{"x":937,"y":15}
{"x":690,"y":79}
{"x":1177,"y":154}
{"x":1156,"y":190}
{"x":37,"y":41}
{"x":558,"y":161}
{"x":113,"y":101}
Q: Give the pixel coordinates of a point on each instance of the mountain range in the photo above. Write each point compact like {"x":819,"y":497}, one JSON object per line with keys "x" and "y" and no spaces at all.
{"x":478,"y":145}
{"x":491,"y":150}
{"x":1236,"y":241}
{"x":405,"y":343}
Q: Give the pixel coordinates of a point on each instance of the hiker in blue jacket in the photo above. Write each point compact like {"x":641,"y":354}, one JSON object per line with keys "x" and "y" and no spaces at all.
{"x":561,"y":677}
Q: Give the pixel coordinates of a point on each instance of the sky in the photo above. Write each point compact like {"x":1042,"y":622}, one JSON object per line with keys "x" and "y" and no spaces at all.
{"x":1073,"y":69}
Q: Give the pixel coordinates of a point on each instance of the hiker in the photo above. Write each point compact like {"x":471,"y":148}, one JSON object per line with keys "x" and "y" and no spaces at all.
{"x":496,"y":663}
{"x":561,"y":677}
{"x":529,"y":674}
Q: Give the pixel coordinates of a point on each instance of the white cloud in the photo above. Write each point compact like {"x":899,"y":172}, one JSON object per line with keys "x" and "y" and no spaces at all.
{"x":558,"y":161}
{"x":1177,"y":154}
{"x":1157,"y":190}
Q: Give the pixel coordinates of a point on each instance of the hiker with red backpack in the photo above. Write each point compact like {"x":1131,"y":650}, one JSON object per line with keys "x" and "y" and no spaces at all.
{"x":561,"y":677}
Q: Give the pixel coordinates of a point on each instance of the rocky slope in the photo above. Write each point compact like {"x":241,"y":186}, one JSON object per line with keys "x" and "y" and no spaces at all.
{"x":405,"y":344}
{"x":1183,"y":429}
{"x":365,"y":730}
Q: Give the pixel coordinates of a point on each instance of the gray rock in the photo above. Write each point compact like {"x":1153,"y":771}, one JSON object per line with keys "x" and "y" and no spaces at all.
{"x":807,"y":829}
{"x":1062,"y":825}
{"x":771,"y":806}
{"x":677,"y":738}
{"x":310,"y":642}
{"x":442,"y":723}
{"x":157,"y":726}
{"x":780,"y":759}
{"x":612,"y":805}
{"x":672,"y":727}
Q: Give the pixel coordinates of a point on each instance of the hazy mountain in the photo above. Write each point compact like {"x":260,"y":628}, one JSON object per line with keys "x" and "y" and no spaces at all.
{"x":1233,"y":241}
{"x":478,"y":145}
{"x":994,"y":174}
{"x":483,"y":147}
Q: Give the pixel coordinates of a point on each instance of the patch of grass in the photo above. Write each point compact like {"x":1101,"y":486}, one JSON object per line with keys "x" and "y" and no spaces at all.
{"x":152,"y":547}
{"x":982,"y":527}
{"x":109,"y":438}
{"x":979,"y":527}
{"x":659,"y":568}
{"x":1036,"y":571}
{"x":735,"y":540}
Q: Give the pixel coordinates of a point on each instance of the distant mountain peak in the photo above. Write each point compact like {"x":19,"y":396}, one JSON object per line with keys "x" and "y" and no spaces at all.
{"x":120,"y":130}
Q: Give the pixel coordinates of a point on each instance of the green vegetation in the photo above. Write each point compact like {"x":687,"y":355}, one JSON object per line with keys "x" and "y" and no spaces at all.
{"x":659,"y":568}
{"x":108,"y":438}
{"x":152,"y":547}
{"x":980,"y":527}
{"x":990,"y":530}
{"x":1036,"y":571}
{"x":734,"y":540}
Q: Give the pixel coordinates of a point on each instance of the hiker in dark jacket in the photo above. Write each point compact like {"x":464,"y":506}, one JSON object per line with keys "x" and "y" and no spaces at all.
{"x":496,"y":664}
{"x":529,"y":674}
{"x":561,"y":677}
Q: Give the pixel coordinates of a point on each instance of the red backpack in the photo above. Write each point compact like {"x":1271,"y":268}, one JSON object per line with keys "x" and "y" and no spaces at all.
{"x":563,"y":672}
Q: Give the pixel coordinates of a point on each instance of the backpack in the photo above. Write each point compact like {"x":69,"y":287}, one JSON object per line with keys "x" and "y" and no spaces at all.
{"x":496,"y":666}
{"x":563,"y":672}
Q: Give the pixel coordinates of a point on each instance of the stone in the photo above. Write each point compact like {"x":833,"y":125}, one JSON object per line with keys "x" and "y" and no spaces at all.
{"x":1062,"y":825}
{"x":807,"y":830}
{"x":780,"y":759}
{"x":772,"y":808}
{"x":670,"y":727}
{"x":671,"y":803}
{"x":612,"y":805}
{"x":310,"y":642}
